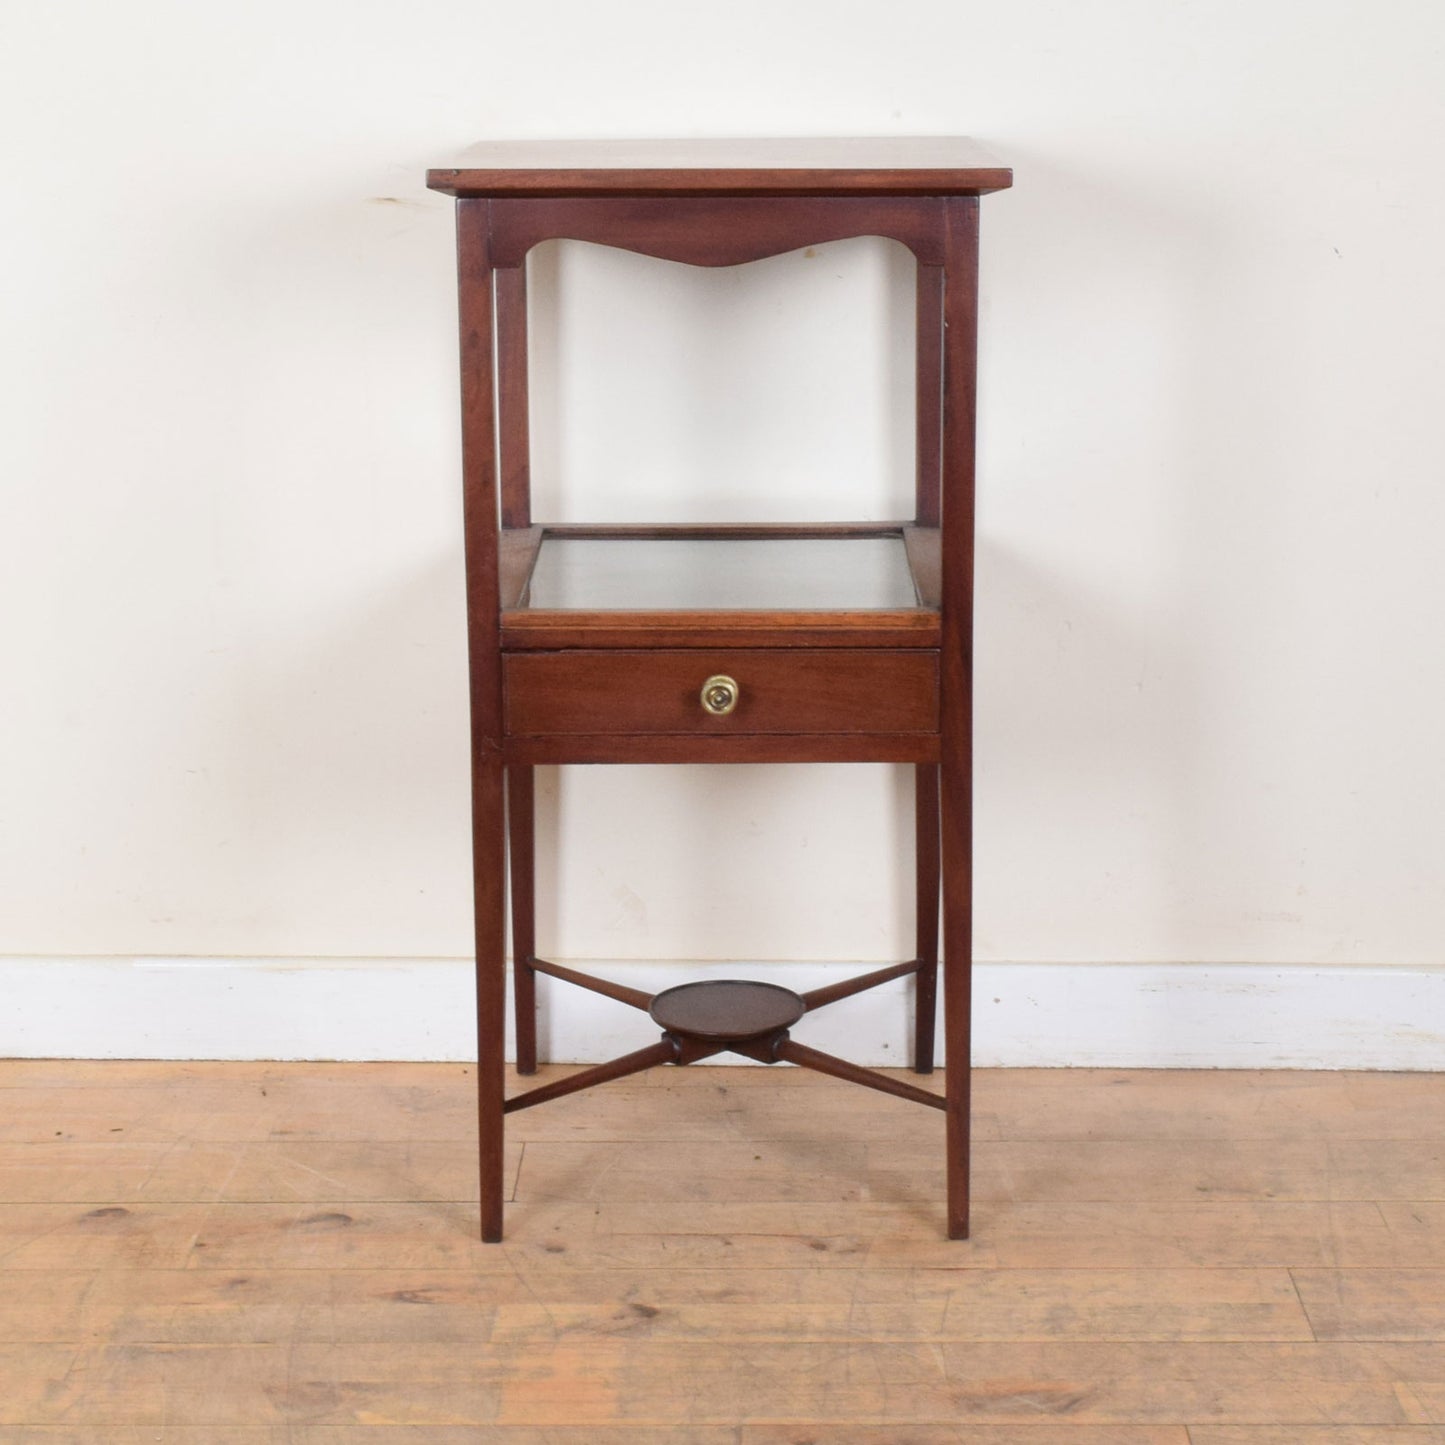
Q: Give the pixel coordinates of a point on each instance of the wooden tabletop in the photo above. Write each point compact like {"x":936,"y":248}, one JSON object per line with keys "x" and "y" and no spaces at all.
{"x":879,"y":165}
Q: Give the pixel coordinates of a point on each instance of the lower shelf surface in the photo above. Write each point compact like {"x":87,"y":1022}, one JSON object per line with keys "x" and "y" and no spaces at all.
{"x":723,"y":1010}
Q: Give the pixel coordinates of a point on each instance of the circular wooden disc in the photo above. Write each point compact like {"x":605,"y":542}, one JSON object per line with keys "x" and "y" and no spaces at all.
{"x":719,"y":1010}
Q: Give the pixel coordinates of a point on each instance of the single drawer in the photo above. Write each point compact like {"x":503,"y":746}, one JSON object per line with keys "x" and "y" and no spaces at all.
{"x":730,"y":690}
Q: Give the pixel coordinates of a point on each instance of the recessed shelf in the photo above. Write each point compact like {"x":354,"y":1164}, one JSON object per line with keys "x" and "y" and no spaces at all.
{"x":704,"y":574}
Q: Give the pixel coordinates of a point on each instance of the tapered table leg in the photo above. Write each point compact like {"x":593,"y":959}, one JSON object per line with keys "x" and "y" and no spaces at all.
{"x":960,"y":309}
{"x":925,"y":796}
{"x":489,"y":863}
{"x":489,"y":825}
{"x":929,"y":508}
{"x":521,"y":837}
{"x":957,"y":990}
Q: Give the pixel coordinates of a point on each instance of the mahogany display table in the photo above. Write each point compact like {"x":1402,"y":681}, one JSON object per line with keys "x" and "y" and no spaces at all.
{"x":718,"y":643}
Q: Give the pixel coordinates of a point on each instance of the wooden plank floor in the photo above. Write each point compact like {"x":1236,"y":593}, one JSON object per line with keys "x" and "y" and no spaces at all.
{"x":252,"y":1254}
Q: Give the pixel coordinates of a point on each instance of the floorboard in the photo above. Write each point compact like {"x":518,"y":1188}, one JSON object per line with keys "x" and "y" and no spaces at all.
{"x":285,"y":1254}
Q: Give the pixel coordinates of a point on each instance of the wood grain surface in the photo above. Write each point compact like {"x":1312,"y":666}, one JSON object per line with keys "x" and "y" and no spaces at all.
{"x":864,"y":165}
{"x":250,"y":1254}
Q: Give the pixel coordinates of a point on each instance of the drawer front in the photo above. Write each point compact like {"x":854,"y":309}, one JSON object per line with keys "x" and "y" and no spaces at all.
{"x":774,"y":690}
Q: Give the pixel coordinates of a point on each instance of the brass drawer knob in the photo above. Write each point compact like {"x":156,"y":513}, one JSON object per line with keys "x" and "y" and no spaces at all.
{"x":719,"y":695}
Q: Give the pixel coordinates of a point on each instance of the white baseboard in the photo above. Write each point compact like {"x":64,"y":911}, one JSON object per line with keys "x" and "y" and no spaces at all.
{"x":1026,"y":1014}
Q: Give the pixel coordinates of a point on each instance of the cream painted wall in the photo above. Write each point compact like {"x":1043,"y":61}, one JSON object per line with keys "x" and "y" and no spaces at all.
{"x":1213,"y":472}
